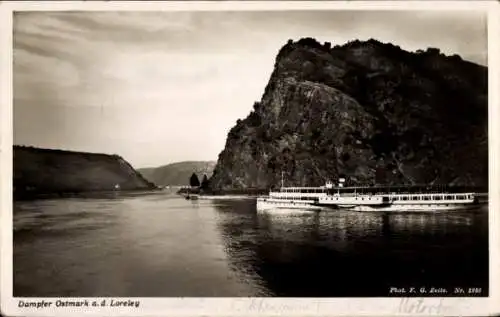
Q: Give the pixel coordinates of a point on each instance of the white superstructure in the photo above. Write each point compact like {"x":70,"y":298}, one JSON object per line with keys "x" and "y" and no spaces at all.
{"x":305,"y":198}
{"x":293,"y":198}
{"x":402,"y":202}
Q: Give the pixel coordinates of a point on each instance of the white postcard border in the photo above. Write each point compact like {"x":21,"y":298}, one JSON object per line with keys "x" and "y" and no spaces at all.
{"x":249,"y":306}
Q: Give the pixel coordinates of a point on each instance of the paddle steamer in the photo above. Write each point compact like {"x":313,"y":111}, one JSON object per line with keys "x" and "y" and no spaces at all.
{"x":372,"y":198}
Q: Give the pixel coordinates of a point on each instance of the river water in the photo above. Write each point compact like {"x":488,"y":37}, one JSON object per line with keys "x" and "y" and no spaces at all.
{"x":161,"y":245}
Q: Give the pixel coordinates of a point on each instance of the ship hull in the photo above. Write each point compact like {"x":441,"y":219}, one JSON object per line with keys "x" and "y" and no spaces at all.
{"x":415,"y":207}
{"x":275,"y":205}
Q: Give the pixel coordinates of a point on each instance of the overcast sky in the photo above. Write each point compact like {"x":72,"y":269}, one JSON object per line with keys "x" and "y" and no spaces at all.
{"x":163,"y":87}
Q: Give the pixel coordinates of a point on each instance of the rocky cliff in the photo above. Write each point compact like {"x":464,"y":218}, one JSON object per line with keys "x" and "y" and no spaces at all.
{"x":365,"y":110}
{"x":46,"y":171}
{"x":178,"y":173}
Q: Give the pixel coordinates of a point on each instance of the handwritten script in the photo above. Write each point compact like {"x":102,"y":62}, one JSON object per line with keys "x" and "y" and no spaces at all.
{"x":424,"y":306}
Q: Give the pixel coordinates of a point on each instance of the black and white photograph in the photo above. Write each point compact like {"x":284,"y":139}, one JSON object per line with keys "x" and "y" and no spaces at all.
{"x":248,"y":152}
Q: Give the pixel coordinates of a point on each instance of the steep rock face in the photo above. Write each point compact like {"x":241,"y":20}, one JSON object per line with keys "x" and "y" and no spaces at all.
{"x":365,"y":110}
{"x":46,"y":171}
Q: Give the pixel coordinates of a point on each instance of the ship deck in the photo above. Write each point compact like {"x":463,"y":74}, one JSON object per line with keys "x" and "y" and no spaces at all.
{"x":409,"y":189}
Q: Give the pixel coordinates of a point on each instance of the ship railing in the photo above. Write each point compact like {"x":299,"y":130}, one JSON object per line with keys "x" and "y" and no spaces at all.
{"x":358,"y":194}
{"x":386,"y":191}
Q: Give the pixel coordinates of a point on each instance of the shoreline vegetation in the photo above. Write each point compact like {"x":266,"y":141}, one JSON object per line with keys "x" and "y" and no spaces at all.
{"x":205,"y":188}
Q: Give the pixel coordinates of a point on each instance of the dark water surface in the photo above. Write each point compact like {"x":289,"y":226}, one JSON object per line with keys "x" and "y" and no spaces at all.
{"x":161,"y":245}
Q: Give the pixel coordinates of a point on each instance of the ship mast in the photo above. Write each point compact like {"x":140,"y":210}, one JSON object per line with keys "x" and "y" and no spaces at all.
{"x":282,"y":180}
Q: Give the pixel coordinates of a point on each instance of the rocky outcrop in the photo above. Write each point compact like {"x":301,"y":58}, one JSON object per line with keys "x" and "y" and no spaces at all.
{"x":46,"y":171}
{"x":178,"y":173}
{"x":366,"y":110}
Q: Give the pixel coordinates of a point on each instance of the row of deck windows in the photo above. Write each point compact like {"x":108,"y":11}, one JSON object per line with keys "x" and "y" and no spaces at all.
{"x":296,"y":198}
{"x":433,"y":197}
{"x":300,"y":190}
{"x":323,"y":190}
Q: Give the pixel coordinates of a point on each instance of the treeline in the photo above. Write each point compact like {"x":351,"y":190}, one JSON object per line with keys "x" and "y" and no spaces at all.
{"x":194,"y":181}
{"x":203,"y":187}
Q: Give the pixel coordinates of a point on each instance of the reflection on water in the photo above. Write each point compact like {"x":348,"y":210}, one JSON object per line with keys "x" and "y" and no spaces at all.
{"x":162,"y":245}
{"x":344,"y":253}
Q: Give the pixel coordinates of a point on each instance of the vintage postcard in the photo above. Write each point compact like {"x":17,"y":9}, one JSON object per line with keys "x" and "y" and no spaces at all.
{"x":249,"y":158}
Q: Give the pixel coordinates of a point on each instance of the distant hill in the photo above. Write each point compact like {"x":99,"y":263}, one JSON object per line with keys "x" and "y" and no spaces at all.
{"x":48,"y":171}
{"x":178,"y":173}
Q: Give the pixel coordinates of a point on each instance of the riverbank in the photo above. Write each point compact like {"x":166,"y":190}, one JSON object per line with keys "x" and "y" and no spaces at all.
{"x":226,"y":197}
{"x":253,"y":192}
{"x":27,"y":196}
